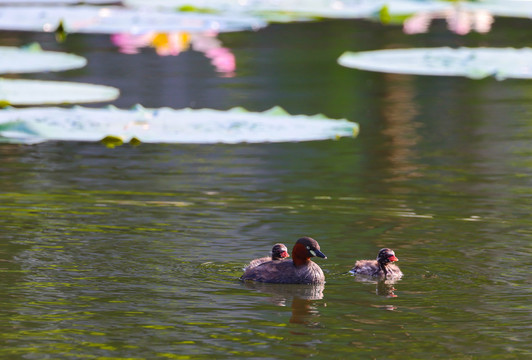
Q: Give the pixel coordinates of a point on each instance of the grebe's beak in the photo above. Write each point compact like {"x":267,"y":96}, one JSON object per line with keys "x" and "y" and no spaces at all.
{"x":316,"y":252}
{"x":392,"y":258}
{"x":284,"y":254}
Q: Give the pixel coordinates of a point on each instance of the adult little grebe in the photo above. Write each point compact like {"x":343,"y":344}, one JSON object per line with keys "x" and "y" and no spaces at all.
{"x":279,"y":251}
{"x":382,"y":267}
{"x":298,"y":270}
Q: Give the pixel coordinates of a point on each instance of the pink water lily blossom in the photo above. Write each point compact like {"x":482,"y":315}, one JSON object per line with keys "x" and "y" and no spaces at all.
{"x":459,"y":21}
{"x":172,"y":44}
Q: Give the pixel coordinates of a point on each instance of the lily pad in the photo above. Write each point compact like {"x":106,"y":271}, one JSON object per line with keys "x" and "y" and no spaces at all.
{"x":293,"y":10}
{"x":271,"y":10}
{"x":408,"y":7}
{"x":112,"y":20}
{"x":474,"y":63}
{"x":504,"y":8}
{"x":56,"y":2}
{"x":166,"y":125}
{"x":274,"y":10}
{"x":33,"y":92}
{"x":33,"y":59}
{"x":296,"y":10}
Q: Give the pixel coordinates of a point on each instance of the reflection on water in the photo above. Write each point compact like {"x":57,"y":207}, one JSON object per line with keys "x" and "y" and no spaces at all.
{"x":386,"y":288}
{"x":166,"y":44}
{"x":383,"y":287}
{"x":302,"y":298}
{"x":399,"y":112}
{"x":283,"y":292}
{"x":304,"y":312}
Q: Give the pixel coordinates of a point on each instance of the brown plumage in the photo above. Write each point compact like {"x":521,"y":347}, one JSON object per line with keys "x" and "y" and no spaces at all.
{"x":298,"y":270}
{"x":279,"y":251}
{"x":382,"y":267}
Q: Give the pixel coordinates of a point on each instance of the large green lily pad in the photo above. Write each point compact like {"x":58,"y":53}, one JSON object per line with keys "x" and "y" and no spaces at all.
{"x":505,"y":8}
{"x":37,"y":92}
{"x":33,"y":59}
{"x":272,"y":10}
{"x":112,"y":20}
{"x":475,"y":63}
{"x":167,"y":125}
{"x":295,"y":10}
{"x":56,"y":2}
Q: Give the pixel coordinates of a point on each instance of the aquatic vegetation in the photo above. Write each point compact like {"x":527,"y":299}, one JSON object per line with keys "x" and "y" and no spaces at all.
{"x":142,"y":16}
{"x":172,"y":44}
{"x":509,"y":8}
{"x":462,"y":17}
{"x":504,"y":8}
{"x":33,"y":59}
{"x":55,"y":2}
{"x":459,"y":20}
{"x":272,"y":10}
{"x":33,"y":92}
{"x":474,"y":63}
{"x":166,"y":125}
{"x":112,"y":20}
{"x":459,"y":14}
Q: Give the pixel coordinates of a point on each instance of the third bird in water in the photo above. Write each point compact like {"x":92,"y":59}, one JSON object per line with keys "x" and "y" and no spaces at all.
{"x":383,"y":267}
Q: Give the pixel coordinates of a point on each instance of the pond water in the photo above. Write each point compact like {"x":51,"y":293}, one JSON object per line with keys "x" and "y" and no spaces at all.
{"x":135,"y":252}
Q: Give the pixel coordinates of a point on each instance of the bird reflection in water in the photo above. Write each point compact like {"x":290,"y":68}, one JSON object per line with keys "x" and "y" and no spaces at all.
{"x":303,"y":299}
{"x":384,"y":287}
{"x":304,"y":311}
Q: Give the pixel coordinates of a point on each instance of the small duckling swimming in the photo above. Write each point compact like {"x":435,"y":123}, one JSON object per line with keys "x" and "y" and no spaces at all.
{"x":383,"y":267}
{"x":279,"y":251}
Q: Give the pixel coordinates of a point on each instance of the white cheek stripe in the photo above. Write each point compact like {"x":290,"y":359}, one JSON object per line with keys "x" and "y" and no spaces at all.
{"x":312,"y":252}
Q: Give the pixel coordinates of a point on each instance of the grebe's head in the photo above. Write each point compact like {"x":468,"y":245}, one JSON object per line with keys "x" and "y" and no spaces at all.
{"x":306,"y":247}
{"x":386,"y":256}
{"x":279,"y":251}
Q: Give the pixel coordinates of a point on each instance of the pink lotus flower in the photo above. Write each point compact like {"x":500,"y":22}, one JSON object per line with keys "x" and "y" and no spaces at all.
{"x":459,"y":21}
{"x":172,"y":44}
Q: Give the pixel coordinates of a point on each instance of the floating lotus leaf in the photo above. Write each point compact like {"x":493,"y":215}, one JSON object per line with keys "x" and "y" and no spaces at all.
{"x":33,"y":59}
{"x":408,"y":7}
{"x":475,"y":63}
{"x":511,"y":8}
{"x":112,"y":20}
{"x":33,"y":92}
{"x":291,"y":10}
{"x":56,"y":2}
{"x":506,"y":8}
{"x":115,"y":126}
{"x":272,"y":10}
